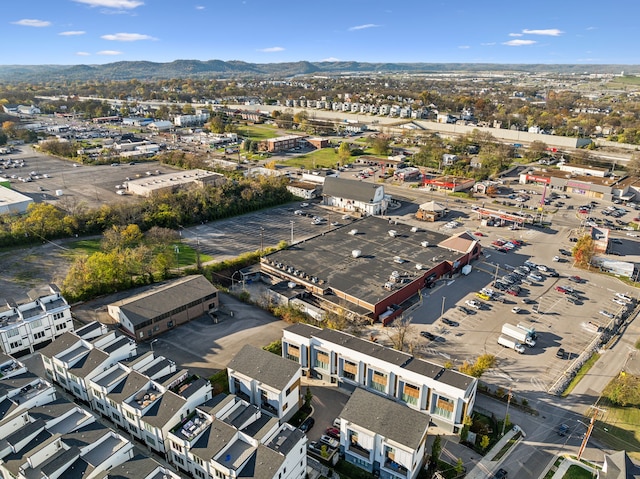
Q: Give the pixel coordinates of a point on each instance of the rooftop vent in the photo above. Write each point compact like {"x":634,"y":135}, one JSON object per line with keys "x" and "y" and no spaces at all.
{"x":356,"y":253}
{"x":424,"y":244}
{"x":393,"y":233}
{"x":353,"y":232}
{"x":419,"y":266}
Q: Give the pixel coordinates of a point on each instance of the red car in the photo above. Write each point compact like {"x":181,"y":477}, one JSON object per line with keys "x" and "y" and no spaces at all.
{"x":333,"y":432}
{"x":560,"y":289}
{"x":575,"y":279}
{"x":478,"y":233}
{"x":512,"y":292}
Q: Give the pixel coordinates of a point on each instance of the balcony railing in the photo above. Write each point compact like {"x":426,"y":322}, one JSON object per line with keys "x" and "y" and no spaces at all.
{"x":242,"y":395}
{"x":359,"y":450}
{"x":269,"y":408}
{"x":395,"y":467}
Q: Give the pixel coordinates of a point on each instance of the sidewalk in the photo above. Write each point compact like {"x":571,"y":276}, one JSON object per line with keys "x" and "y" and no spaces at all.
{"x":486,"y":466}
{"x":566,"y":463}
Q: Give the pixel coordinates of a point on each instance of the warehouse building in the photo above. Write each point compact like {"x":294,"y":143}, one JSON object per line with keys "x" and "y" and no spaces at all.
{"x":165,"y":306}
{"x":173,"y":181}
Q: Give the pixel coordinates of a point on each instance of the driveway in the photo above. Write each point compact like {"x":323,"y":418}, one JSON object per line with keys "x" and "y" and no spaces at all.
{"x":327,"y":403}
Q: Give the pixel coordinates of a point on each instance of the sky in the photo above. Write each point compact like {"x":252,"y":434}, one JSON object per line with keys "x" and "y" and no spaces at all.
{"x":70,"y":32}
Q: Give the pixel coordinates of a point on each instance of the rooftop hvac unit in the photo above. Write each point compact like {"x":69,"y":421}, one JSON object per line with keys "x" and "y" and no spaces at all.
{"x":393,"y":233}
{"x":388,"y":286}
{"x":356,"y":253}
{"x":419,"y":266}
{"x":424,"y":244}
{"x":415,"y":229}
{"x":395,"y":274}
{"x":353,"y":232}
{"x":398,"y":259}
{"x":291,"y":285}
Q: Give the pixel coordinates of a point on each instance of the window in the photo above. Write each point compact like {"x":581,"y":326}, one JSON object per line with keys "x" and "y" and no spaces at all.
{"x":59,"y":369}
{"x":322,"y":360}
{"x":199,"y":473}
{"x":410,"y":394}
{"x":443,"y":407}
{"x":36,"y":324}
{"x":133,"y":429}
{"x":38,"y":335}
{"x":293,"y":353}
{"x":16,"y":344}
{"x":350,"y":370}
{"x":46,"y":359}
{"x":175,"y":446}
{"x":60,"y":327}
{"x":113,"y":404}
{"x":57,"y":316}
{"x":198,"y":460}
{"x":178,"y":459}
{"x":13,"y":332}
{"x":150,"y":440}
{"x":99,"y":406}
{"x":115,"y":417}
{"x":148,"y":427}
{"x":379,"y":381}
{"x":130,"y":415}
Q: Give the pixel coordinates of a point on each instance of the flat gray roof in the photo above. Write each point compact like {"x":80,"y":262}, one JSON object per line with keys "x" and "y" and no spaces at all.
{"x":329,"y":257}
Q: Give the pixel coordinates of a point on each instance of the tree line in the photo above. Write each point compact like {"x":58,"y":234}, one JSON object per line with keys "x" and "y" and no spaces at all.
{"x":44,"y":221}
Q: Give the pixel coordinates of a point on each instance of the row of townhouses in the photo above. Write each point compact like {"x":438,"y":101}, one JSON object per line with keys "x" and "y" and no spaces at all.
{"x":34,"y":324}
{"x":356,"y":107}
{"x":45,"y":436}
{"x":175,"y":414}
{"x":447,"y":396}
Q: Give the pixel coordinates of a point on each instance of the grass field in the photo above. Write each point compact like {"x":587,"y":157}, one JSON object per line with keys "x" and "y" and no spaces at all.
{"x":324,"y":158}
{"x":186,"y":256}
{"x":577,"y":472}
{"x":619,"y":429}
{"x":258,"y":132}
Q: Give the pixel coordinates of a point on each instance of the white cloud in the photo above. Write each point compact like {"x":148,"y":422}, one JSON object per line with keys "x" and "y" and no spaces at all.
{"x":116,"y":4}
{"x":83,"y":54}
{"x":200,"y":7}
{"x":109,"y":52}
{"x":551,"y":32}
{"x":515,"y":34}
{"x":363,"y":27}
{"x":127,"y":37}
{"x":519,"y":43}
{"x":72,"y":33}
{"x":592,"y":28}
{"x":271,"y":49}
{"x":464,"y":47}
{"x":32,"y":22}
{"x":330,"y":59}
{"x":488,"y":44}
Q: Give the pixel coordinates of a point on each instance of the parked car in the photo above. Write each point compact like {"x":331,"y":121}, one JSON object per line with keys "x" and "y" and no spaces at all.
{"x":561,"y":289}
{"x":561,"y":353}
{"x":473,"y":303}
{"x":607,"y":314}
{"x":516,"y":310}
{"x":448,"y":322}
{"x":329,"y":441}
{"x":575,"y":279}
{"x":307,"y":424}
{"x":333,"y":432}
{"x":466,"y":310}
{"x":428,"y":335}
{"x":500,"y":474}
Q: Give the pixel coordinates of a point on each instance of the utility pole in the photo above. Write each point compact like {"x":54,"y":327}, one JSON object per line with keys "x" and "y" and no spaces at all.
{"x":495,"y":276}
{"x":442,"y":309}
{"x":583,"y":446}
{"x":506,"y":414}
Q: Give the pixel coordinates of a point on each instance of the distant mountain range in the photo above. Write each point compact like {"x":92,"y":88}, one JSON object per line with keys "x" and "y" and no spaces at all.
{"x":221,"y":69}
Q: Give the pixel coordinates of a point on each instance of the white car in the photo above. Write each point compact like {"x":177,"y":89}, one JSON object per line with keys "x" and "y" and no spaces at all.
{"x":607,"y":314}
{"x":623,"y":297}
{"x":619,"y":301}
{"x":515,"y":310}
{"x":535,"y":277}
{"x":633,"y":235}
{"x":556,"y":259}
{"x":473,"y":303}
{"x":542,"y":267}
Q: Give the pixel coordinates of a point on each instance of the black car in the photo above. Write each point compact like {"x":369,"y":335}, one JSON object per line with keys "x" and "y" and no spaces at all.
{"x":564,"y":252}
{"x":553,"y":274}
{"x":500,"y":474}
{"x":448,"y":322}
{"x":528,"y":301}
{"x":428,"y":335}
{"x":573,"y":240}
{"x":307,"y":424}
{"x":561,"y":353}
{"x":466,"y":310}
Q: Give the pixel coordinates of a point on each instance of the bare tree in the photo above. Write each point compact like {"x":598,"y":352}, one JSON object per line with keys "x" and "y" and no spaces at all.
{"x":398,"y":332}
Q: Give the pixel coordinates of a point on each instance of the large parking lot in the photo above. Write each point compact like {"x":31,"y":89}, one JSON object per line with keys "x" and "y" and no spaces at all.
{"x":559,"y":322}
{"x":91,"y":185}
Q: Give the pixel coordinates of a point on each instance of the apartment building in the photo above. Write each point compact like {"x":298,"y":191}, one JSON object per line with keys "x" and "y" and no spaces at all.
{"x":229,"y":437}
{"x":266,"y":380}
{"x":447,"y":396}
{"x":30,"y":326}
{"x":382,"y":436}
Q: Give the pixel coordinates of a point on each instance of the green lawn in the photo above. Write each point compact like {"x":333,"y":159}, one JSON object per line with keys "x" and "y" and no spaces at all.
{"x":583,"y":371}
{"x":87,"y":247}
{"x":619,"y":429}
{"x":577,"y":472}
{"x":187,"y":255}
{"x":324,"y":158}
{"x":258,"y":132}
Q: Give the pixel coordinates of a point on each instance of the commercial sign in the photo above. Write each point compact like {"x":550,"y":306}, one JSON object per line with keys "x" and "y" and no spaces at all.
{"x":538,"y":179}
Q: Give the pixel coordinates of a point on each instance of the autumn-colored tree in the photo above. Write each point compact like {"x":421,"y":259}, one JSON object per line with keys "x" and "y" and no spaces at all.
{"x":584,"y":250}
{"x":344,"y":152}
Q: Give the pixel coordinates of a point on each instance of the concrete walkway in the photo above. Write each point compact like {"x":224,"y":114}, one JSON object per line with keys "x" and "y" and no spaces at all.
{"x":566,"y":463}
{"x":487,"y":465}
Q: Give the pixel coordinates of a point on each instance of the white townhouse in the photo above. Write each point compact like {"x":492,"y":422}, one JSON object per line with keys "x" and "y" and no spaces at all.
{"x":382,"y":436}
{"x":266,"y":380}
{"x":71,"y":360}
{"x":227,"y":437}
{"x":29,"y":326}
{"x":447,"y":396}
{"x":59,"y":439}
{"x":139,"y":467}
{"x":9,"y":366}
{"x":24,"y":391}
{"x":145,"y":407}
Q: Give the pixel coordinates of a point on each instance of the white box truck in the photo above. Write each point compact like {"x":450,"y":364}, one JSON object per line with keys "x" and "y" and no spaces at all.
{"x":511,"y":343}
{"x":519,"y":334}
{"x":532,"y":332}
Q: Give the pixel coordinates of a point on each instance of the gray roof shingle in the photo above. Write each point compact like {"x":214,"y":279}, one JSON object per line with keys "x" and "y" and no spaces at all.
{"x":350,"y":189}
{"x":269,"y":368}
{"x":388,"y":418}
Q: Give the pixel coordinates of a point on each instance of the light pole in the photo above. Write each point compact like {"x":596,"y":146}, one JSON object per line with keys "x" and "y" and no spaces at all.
{"x":442,"y":309}
{"x":291,"y":232}
{"x":152,"y":343}
{"x":261,"y":240}
{"x":506,"y":414}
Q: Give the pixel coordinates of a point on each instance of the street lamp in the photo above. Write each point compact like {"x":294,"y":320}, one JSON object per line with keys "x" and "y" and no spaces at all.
{"x":442,"y":309}
{"x":292,"y":223}
{"x":152,"y":343}
{"x":261,"y":240}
